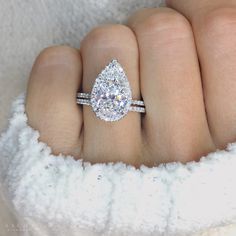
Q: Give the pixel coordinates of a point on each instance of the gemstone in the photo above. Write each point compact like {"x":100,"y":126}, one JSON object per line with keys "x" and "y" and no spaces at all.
{"x":111,"y":95}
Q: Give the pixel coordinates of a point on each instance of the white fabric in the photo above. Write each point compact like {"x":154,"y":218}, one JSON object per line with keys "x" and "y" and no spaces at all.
{"x":114,"y":199}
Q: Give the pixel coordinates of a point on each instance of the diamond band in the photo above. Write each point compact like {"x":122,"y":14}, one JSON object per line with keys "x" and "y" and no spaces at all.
{"x":82,"y":101}
{"x":111,"y":96}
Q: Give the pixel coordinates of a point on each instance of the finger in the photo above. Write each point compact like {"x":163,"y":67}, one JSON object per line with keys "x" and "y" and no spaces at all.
{"x":215,"y":32}
{"x":51,"y":99}
{"x":119,"y":140}
{"x":175,"y":125}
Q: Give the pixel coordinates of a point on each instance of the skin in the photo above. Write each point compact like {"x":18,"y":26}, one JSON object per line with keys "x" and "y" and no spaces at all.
{"x":180,"y":59}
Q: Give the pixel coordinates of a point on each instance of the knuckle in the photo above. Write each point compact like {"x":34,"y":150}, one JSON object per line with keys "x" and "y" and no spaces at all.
{"x":220,"y":21}
{"x":57,"y":51}
{"x":107,"y":35}
{"x":58,"y":55}
{"x":167,"y":24}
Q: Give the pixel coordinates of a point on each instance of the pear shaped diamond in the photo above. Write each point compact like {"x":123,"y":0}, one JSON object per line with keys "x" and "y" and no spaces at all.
{"x":111,"y":95}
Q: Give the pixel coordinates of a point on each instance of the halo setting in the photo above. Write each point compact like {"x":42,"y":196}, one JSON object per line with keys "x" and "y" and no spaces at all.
{"x":111,"y":96}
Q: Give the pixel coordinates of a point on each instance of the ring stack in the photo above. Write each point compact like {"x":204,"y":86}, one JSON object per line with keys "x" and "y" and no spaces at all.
{"x":111,"y":96}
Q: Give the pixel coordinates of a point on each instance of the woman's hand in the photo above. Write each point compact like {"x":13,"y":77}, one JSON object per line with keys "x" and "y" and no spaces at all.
{"x":189,"y":112}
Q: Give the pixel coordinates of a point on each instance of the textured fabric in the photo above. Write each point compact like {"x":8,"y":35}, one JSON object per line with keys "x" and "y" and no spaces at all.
{"x":114,"y":198}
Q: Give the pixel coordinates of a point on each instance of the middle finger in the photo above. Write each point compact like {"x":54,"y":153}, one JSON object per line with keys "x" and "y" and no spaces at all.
{"x":214,"y":25}
{"x":175,"y":125}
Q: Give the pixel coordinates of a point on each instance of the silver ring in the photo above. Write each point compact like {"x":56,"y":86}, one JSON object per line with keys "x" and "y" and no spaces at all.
{"x":111,"y":96}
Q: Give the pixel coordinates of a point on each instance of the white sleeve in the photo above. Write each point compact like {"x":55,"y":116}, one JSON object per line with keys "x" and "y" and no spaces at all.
{"x":114,"y":198}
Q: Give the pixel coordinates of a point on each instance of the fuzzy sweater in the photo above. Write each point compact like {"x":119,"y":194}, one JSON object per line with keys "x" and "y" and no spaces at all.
{"x":65,"y":195}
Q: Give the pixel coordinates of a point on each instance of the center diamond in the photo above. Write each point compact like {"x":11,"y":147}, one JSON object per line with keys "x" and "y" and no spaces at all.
{"x":111,"y":94}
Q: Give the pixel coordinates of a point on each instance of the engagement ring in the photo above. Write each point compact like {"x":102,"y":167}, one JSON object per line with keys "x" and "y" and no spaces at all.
{"x":111,"y":96}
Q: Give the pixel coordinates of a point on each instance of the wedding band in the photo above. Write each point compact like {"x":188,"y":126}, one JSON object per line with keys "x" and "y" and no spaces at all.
{"x":111,"y":95}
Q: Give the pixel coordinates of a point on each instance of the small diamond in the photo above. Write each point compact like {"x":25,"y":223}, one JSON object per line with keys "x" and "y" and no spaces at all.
{"x":111,"y":94}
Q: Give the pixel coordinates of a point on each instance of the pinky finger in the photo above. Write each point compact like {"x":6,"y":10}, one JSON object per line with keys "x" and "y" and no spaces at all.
{"x":51,"y":99}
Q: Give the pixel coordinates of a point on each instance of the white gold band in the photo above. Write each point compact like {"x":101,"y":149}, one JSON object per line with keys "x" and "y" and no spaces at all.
{"x":136,"y":105}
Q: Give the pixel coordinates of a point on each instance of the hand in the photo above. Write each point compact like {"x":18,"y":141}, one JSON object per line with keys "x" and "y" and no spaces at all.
{"x":189,"y":112}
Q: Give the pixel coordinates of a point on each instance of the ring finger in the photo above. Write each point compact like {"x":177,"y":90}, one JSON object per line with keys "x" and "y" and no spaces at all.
{"x":111,"y":141}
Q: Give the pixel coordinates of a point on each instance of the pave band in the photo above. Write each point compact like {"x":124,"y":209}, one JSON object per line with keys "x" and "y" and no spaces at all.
{"x":136,"y":105}
{"x":111,"y":95}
